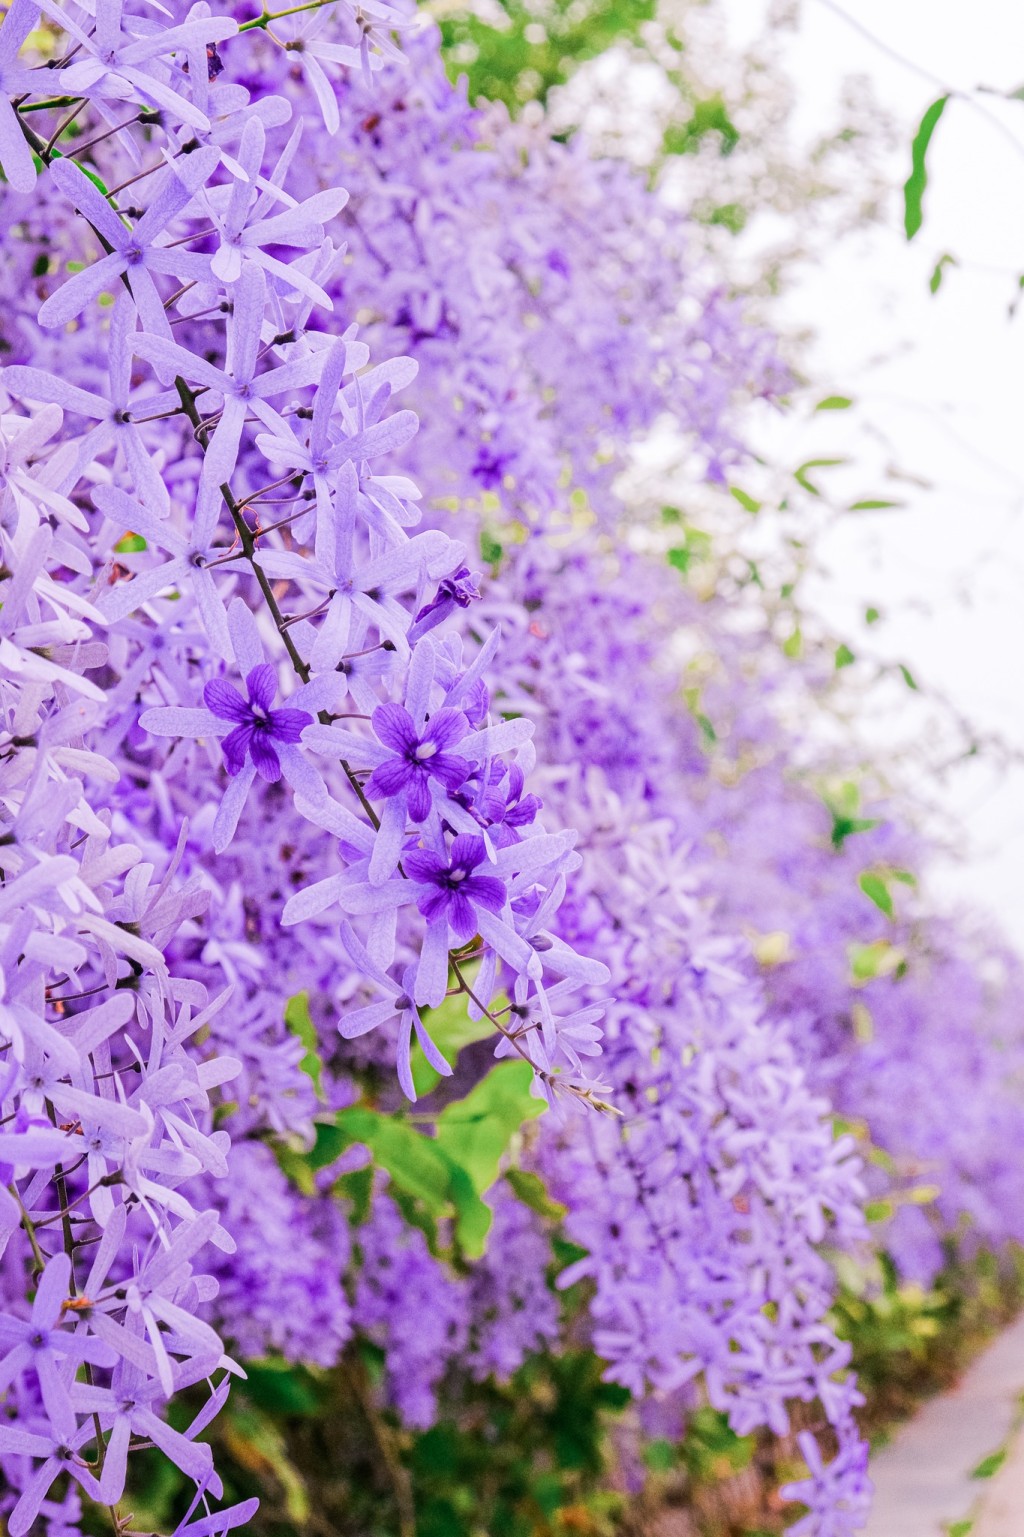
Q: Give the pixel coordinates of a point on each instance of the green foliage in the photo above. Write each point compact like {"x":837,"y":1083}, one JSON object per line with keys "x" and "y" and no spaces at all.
{"x":529,"y":49}
{"x":803,"y":479}
{"x":988,"y":1467}
{"x":712,"y":1450}
{"x":944,"y":261}
{"x":433,"y":1177}
{"x":834,"y":403}
{"x":131,"y":544}
{"x":844,"y":657}
{"x":913,"y":189}
{"x":746,"y":502}
{"x":695,"y":548}
{"x":874,"y":960}
{"x":843,"y":801}
{"x":708,"y":117}
{"x":298,"y":1021}
{"x":876,"y":890}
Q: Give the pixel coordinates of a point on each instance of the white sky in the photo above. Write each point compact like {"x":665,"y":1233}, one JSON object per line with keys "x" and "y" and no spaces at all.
{"x":939,"y":385}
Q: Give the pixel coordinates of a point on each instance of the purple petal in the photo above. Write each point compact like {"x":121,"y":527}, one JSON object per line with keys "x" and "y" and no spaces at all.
{"x":261,"y":683}
{"x":451,"y":771}
{"x":423,"y":866}
{"x":225,"y":700}
{"x":446,"y":727}
{"x":394,"y":727}
{"x":389,"y":779}
{"x":52,"y":1291}
{"x":434,"y":904}
{"x":268,"y":764}
{"x":486,"y":890}
{"x":288,"y":725}
{"x":461,"y":915}
{"x":467,"y":852}
{"x":419,"y":795}
{"x":236,"y":747}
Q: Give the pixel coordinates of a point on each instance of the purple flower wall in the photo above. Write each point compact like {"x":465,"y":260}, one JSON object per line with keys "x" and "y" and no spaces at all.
{"x":270,"y":735}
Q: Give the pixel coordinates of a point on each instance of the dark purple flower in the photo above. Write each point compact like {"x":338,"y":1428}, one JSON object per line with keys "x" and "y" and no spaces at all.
{"x":456,"y":591}
{"x":259,"y":727}
{"x":515,"y":809}
{"x":454,"y":887}
{"x":418,"y":758}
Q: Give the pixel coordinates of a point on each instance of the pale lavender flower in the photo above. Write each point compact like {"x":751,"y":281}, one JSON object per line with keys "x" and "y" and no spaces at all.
{"x":15,"y":80}
{"x":137,"y":252}
{"x":41,"y":1346}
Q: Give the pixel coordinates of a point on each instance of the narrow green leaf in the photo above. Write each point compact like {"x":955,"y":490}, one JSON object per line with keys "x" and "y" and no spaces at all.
{"x":873,"y":504}
{"x":913,"y":189}
{"x":935,"y":281}
{"x":529,"y":1188}
{"x":298,"y":1021}
{"x":746,"y":502}
{"x":802,"y":478}
{"x":989,"y":1466}
{"x":908,"y":677}
{"x":834,"y":403}
{"x":874,"y":888}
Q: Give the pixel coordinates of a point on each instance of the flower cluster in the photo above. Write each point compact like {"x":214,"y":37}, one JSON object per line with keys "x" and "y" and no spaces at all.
{"x":193,"y":493}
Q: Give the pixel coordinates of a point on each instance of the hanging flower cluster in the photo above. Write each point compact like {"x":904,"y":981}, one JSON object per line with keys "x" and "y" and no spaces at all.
{"x":173,"y":606}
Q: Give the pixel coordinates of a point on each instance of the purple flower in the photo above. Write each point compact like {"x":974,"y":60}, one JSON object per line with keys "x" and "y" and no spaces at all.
{"x":419,"y":756}
{"x":135,"y":253}
{"x":453,"y":889}
{"x":39,"y":1343}
{"x":456,"y":591}
{"x":259,"y":727}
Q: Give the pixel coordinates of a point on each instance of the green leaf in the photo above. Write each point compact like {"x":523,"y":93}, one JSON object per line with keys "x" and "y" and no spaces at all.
{"x":908,"y":677}
{"x":529,"y":1188}
{"x":490,"y":548}
{"x":873,"y":504}
{"x":793,"y":645}
{"x":730,"y":216}
{"x":834,"y":403}
{"x":298,"y":1021}
{"x":913,"y":189}
{"x":660,"y":1455}
{"x":844,"y":657}
{"x":935,"y":281}
{"x":988,"y":1466}
{"x":871,"y":616}
{"x":475,"y":1131}
{"x":281,"y":1387}
{"x":868,"y":962}
{"x":131,"y":544}
{"x":414,"y":1161}
{"x":801,"y":477}
{"x":874,"y":888}
{"x":746,"y":502}
{"x":708,"y":116}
